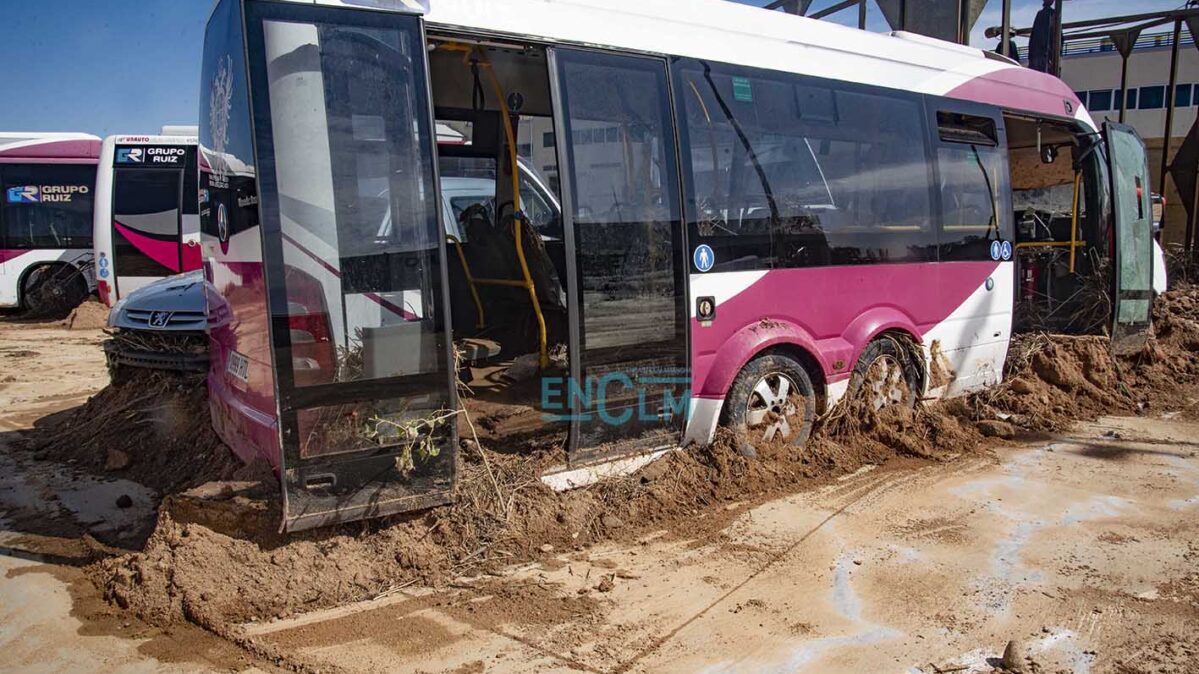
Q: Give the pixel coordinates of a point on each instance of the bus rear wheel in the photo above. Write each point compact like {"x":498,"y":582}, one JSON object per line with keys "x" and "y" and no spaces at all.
{"x":772,"y":400}
{"x":886,"y":374}
{"x":52,"y":291}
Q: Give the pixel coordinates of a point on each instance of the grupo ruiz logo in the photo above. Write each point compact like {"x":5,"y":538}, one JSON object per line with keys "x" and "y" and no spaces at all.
{"x":44,"y":194}
{"x":130,"y":155}
{"x":23,"y":194}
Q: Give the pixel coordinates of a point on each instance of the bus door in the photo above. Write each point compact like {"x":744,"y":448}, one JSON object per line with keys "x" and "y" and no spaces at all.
{"x":629,"y":378}
{"x":147,"y":216}
{"x":355,"y":261}
{"x":1132,"y":259}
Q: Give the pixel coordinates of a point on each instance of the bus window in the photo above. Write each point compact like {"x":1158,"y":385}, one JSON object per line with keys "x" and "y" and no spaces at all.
{"x":973,"y":177}
{"x":47,"y":206}
{"x":788,"y":172}
{"x":145,"y":222}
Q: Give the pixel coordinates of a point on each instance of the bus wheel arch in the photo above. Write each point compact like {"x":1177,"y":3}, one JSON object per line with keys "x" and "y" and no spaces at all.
{"x":50,"y":288}
{"x":892,"y":365}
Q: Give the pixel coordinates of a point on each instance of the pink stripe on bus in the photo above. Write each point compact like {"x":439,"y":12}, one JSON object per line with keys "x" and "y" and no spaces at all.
{"x":165,"y":253}
{"x":6,"y":255}
{"x":1018,"y":89}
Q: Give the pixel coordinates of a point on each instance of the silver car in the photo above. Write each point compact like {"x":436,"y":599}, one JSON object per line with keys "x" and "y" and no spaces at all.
{"x":160,"y":326}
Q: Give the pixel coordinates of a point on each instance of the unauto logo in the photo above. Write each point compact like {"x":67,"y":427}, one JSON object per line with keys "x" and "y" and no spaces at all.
{"x":129,"y":155}
{"x":24,"y":194}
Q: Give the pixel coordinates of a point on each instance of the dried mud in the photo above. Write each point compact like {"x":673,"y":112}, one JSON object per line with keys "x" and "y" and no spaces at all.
{"x":154,"y":430}
{"x":217,"y":576}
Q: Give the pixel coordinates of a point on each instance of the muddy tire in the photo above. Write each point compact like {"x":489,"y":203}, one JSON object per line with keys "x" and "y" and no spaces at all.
{"x":888,"y":372}
{"x":52,"y":291}
{"x":771,"y":400}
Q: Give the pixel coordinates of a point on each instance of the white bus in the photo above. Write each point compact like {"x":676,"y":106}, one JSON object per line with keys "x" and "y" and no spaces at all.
{"x":48,"y":180}
{"x":147,"y":223}
{"x":759,"y":213}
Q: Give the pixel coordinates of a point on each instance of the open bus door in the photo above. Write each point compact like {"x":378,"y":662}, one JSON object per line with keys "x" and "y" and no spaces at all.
{"x":630,"y":382}
{"x":354,"y":261}
{"x":1132,"y":259}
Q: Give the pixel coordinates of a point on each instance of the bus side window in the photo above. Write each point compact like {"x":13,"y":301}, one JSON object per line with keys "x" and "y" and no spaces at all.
{"x":973,"y":183}
{"x":788,"y":171}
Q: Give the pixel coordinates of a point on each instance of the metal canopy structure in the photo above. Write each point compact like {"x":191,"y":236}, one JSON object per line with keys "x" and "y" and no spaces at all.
{"x":1123,"y":32}
{"x":949,"y":20}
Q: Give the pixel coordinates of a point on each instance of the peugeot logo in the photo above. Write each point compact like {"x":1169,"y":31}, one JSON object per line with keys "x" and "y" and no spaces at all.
{"x":160,"y":319}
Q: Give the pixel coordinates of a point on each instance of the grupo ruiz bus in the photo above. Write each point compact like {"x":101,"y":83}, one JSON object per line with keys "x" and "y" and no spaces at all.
{"x":753,"y":214}
{"x":48,"y":181}
{"x":147,"y":224}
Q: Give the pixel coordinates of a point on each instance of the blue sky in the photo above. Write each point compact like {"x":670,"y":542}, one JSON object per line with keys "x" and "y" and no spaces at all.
{"x":131,"y":66}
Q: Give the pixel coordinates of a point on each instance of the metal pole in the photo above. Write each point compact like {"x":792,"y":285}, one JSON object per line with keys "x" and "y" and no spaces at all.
{"x":903,"y":14}
{"x":1189,"y":243}
{"x":1170,"y":93}
{"x":1005,"y":40}
{"x":1055,"y":65}
{"x":1123,"y":87}
{"x":862,"y":15}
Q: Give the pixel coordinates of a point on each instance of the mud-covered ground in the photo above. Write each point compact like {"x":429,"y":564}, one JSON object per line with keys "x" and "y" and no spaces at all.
{"x":910,"y":542}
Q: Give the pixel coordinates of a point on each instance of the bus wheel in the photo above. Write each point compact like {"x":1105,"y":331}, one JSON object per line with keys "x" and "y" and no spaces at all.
{"x":772,"y":400}
{"x":886,"y":374}
{"x":52,"y":291}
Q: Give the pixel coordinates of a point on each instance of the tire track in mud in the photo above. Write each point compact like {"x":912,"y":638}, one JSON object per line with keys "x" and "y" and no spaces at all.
{"x":843,"y":498}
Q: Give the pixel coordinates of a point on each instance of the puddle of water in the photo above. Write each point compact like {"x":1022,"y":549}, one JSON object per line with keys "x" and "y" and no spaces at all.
{"x":848,"y":605}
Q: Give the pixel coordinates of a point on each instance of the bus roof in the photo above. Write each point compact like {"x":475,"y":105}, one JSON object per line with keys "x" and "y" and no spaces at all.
{"x":729,"y":32}
{"x":49,"y":147}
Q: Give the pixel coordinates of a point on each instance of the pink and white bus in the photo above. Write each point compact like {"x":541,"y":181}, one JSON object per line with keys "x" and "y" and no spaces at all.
{"x":48,"y":181}
{"x":758,"y":213}
{"x":147,"y":223}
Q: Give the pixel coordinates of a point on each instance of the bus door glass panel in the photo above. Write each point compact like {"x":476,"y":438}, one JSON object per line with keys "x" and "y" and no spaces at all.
{"x":47,"y":206}
{"x":630,"y":383}
{"x":1133,"y":218}
{"x":355,"y":261}
{"x":145,"y":226}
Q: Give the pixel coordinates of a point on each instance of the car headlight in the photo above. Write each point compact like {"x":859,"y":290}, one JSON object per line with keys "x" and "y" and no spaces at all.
{"x":116,"y":311}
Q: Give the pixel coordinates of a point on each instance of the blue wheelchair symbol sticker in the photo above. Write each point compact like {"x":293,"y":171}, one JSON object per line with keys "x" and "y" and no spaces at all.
{"x":1006,"y":250}
{"x":704,"y":258}
{"x":996,"y":250}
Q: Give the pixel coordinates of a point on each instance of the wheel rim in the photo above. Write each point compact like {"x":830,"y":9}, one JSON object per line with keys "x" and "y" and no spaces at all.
{"x":886,"y":383}
{"x":772,"y":407}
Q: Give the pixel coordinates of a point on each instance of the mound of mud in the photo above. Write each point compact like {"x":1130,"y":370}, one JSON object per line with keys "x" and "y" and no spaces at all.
{"x":217,"y":576}
{"x":1055,"y":381}
{"x":91,"y":315}
{"x":153,"y":430}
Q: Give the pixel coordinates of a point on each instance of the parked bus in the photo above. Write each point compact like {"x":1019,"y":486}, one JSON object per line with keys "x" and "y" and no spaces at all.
{"x":49,"y":182}
{"x":759,"y":214}
{"x":147,"y":223}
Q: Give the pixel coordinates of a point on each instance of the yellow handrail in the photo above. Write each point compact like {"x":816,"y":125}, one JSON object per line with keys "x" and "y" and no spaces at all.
{"x":1074,"y":220}
{"x":517,"y":215}
{"x":470,"y":280}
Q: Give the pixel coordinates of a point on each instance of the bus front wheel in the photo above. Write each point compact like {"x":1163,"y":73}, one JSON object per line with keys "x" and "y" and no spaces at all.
{"x":772,"y":400}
